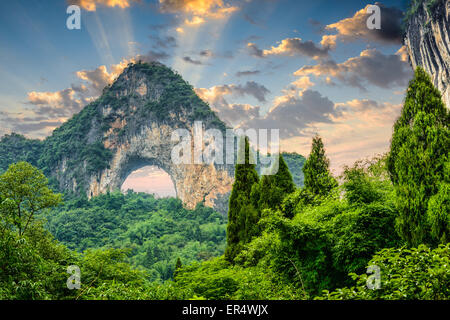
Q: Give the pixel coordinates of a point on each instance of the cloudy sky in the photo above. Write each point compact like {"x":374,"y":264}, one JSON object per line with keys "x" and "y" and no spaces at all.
{"x":303,"y":67}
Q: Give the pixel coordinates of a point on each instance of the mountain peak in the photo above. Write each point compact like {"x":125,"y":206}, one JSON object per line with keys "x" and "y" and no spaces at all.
{"x":129,"y":126}
{"x":159,"y":91}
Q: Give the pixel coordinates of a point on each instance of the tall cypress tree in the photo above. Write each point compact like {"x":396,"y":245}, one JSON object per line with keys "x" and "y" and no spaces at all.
{"x":242,"y":216}
{"x":318,"y":179}
{"x":283,"y":177}
{"x":274,"y":188}
{"x":416,"y":163}
{"x":178,"y":266}
{"x":264,"y":192}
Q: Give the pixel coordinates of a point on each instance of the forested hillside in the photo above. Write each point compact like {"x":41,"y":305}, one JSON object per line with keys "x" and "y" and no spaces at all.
{"x":15,"y":147}
{"x":156,"y":231}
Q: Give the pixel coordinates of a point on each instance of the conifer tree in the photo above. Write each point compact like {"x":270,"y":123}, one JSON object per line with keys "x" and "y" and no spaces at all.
{"x":417,"y":160}
{"x":242,"y":216}
{"x":178,"y":266}
{"x":274,"y":188}
{"x":318,"y":179}
{"x":283,"y":177}
{"x":265,"y":192}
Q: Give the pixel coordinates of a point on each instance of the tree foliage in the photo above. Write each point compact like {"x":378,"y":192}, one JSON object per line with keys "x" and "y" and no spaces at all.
{"x":242,"y":215}
{"x":318,"y":179}
{"x":158,"y":231}
{"x":417,"y":162}
{"x":274,"y":186}
{"x":406,"y":274}
{"x":295,"y":163}
{"x":23,"y":194}
{"x":15,"y":148}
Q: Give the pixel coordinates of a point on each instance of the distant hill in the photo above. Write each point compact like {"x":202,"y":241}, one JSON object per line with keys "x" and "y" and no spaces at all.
{"x":15,"y":147}
{"x":295,"y":163}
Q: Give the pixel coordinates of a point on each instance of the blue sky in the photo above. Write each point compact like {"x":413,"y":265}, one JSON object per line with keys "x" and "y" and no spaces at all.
{"x":304,"y":66}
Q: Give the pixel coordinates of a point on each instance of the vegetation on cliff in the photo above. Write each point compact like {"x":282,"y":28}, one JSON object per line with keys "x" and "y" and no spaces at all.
{"x":416,"y":5}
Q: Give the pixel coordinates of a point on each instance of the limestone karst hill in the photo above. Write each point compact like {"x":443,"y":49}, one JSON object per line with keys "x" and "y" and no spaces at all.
{"x":129,"y":126}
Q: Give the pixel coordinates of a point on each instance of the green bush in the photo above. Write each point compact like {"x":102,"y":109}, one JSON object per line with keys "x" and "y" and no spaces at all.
{"x":406,"y":274}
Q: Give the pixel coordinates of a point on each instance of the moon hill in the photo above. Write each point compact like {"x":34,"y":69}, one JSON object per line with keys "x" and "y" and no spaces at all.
{"x":128,"y":127}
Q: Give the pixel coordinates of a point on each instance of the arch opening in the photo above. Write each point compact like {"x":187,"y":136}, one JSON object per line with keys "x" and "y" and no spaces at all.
{"x":150,"y":179}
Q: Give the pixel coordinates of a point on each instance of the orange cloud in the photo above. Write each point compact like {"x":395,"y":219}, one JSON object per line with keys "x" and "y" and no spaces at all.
{"x":197,"y":11}
{"x":303,"y":83}
{"x":59,"y":103}
{"x":352,"y":27}
{"x":234,"y":114}
{"x":100,"y":77}
{"x":91,"y":5}
{"x":195,"y":7}
{"x":54,"y":107}
{"x":194,"y":21}
{"x":403,"y":54}
{"x":329,"y":41}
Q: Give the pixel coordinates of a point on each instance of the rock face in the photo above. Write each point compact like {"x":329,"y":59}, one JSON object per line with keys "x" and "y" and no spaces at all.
{"x":428,"y":43}
{"x":193,"y":183}
{"x":131,"y":126}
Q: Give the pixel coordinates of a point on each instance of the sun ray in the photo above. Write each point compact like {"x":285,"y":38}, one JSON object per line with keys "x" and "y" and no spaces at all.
{"x":99,"y":38}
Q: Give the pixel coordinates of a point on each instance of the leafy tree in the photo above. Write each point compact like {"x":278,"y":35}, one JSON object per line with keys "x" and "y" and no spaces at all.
{"x":323,"y":241}
{"x":366,"y":181}
{"x":318,"y":182}
{"x":33,"y":266}
{"x":283,"y":178}
{"x":261,"y":193}
{"x":242,"y":216}
{"x":23,"y":193}
{"x":417,"y":160}
{"x":318,"y":178}
{"x":326,"y":242}
{"x":217,"y":279}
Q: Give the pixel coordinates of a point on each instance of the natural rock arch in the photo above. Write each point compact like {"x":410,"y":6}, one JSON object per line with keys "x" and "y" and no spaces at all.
{"x":131,"y":125}
{"x":149,"y":178}
{"x":193,"y":183}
